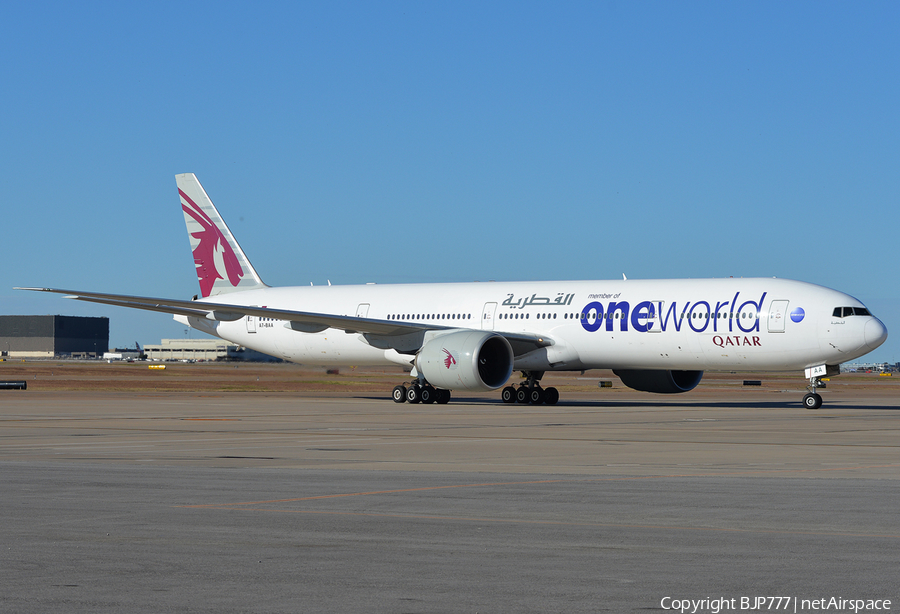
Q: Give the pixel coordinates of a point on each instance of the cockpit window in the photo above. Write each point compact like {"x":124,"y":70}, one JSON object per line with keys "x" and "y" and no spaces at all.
{"x":846,"y":312}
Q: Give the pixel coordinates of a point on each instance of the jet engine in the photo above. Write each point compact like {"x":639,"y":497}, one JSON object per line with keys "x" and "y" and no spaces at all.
{"x":467,"y":360}
{"x":659,"y":381}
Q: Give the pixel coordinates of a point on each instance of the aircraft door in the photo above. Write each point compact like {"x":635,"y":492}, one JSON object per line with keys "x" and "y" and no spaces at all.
{"x":488,"y":315}
{"x":251,"y":323}
{"x":362,"y":311}
{"x":777,"y":316}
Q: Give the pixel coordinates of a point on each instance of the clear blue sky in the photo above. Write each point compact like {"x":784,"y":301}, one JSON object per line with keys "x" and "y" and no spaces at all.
{"x":393,"y":142}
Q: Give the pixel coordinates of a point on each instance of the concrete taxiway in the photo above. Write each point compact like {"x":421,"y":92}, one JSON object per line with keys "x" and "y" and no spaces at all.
{"x":283,"y":502}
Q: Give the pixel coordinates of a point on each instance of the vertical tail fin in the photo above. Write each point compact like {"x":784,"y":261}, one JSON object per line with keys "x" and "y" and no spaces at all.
{"x":221,"y":264}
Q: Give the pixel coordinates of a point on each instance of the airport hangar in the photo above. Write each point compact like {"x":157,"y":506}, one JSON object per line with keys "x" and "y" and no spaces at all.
{"x":52,"y":336}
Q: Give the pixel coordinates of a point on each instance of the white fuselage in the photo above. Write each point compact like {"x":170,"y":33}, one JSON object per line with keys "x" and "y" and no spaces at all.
{"x":705,"y":324}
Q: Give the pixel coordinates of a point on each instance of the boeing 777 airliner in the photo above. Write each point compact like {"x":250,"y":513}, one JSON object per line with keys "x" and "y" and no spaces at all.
{"x":656,"y":335}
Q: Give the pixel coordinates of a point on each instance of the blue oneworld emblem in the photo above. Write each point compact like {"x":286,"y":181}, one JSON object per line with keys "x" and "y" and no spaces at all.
{"x":797,"y":314}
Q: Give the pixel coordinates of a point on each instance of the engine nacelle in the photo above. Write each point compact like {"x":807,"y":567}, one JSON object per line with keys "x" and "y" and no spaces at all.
{"x":467,"y":360}
{"x":665,"y":382}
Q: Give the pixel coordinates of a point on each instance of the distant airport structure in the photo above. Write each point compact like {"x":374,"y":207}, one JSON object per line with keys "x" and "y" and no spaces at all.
{"x":869,"y":367}
{"x":202,"y":349}
{"x":53,"y":336}
{"x":87,"y":337}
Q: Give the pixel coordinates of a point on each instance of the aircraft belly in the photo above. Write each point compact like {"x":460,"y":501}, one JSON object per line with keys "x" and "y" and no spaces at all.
{"x":236,"y":332}
{"x":642,"y":351}
{"x":328,"y":347}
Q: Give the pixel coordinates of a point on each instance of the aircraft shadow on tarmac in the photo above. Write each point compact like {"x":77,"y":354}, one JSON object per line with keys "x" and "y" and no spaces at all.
{"x":833,"y":404}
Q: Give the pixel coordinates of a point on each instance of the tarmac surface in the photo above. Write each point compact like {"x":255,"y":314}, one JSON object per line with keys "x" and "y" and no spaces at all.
{"x":127,"y":499}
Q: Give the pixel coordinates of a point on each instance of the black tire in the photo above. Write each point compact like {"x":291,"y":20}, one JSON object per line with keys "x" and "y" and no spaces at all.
{"x":443,"y":396}
{"x":427,"y":395}
{"x":508,"y":395}
{"x":537,"y":396}
{"x":413,"y":395}
{"x":399,"y":394}
{"x":522,"y":395}
{"x":812,"y":401}
{"x":551,"y":396}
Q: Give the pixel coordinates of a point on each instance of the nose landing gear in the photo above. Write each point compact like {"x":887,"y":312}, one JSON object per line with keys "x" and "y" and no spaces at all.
{"x":812,"y":399}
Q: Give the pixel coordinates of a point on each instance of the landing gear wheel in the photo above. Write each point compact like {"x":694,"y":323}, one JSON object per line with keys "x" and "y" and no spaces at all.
{"x":508,"y":395}
{"x":530,"y":390}
{"x":427,"y":395}
{"x":551,"y":396}
{"x":812,"y":401}
{"x":413,"y":394}
{"x":442,"y":396}
{"x":399,"y":394}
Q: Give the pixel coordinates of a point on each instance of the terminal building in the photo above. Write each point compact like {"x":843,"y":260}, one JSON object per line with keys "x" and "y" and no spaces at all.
{"x":201,"y":349}
{"x":53,"y":336}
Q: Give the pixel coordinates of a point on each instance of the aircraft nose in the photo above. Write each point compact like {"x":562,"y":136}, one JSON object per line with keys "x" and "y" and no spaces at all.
{"x":876,"y":333}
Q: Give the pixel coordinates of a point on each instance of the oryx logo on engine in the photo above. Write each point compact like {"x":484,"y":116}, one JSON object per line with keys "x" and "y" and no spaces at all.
{"x":449,"y":361}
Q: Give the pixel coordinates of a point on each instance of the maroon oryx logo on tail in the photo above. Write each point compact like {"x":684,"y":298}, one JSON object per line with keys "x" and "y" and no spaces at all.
{"x":212,"y":251}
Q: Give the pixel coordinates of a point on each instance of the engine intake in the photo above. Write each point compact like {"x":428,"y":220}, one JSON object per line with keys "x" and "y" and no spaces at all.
{"x":665,"y":382}
{"x":467,"y":360}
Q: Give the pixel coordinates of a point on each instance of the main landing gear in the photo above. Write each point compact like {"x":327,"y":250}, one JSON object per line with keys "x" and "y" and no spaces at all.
{"x":419,"y":392}
{"x":812,"y":399}
{"x":530,"y":391}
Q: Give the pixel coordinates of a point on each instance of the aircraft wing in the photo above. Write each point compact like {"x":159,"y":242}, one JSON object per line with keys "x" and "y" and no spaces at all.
{"x":380,"y":331}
